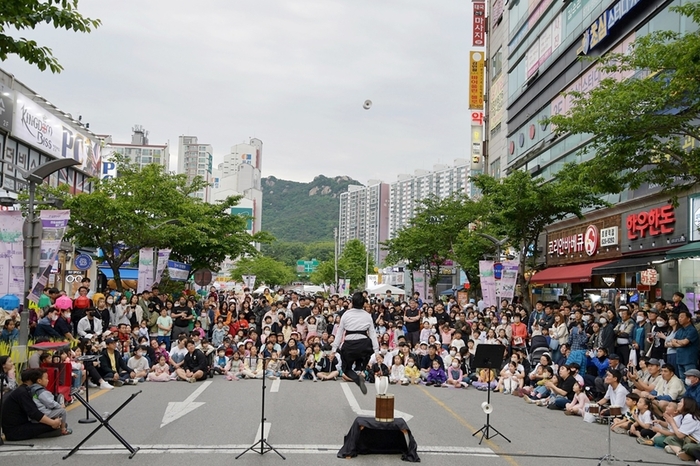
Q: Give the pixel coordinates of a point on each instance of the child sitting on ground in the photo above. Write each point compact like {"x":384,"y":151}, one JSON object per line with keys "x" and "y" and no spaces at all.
{"x":412,"y":372}
{"x":642,"y":418}
{"x":577,"y":406}
{"x":272,"y":371}
{"x":219,"y":361}
{"x":455,"y":375}
{"x":233,"y":367}
{"x":541,"y":392}
{"x":622,"y":425}
{"x":485,"y":378}
{"x":378,"y":369}
{"x":659,"y":429}
{"x":45,"y":402}
{"x":160,"y":372}
{"x":397,"y":372}
{"x":436,"y":375}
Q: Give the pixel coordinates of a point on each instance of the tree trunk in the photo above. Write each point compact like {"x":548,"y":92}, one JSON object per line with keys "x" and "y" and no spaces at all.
{"x":524,"y":284}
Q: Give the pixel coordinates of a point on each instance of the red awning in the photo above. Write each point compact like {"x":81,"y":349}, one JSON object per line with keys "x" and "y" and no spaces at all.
{"x":579,"y":273}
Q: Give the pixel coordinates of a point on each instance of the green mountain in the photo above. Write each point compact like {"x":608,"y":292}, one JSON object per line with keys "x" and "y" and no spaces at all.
{"x":302,"y":212}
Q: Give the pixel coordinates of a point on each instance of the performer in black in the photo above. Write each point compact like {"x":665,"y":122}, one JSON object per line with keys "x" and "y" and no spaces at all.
{"x":359,"y":339}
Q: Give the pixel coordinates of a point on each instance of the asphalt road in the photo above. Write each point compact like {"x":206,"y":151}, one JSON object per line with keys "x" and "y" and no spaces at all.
{"x":177,"y":423}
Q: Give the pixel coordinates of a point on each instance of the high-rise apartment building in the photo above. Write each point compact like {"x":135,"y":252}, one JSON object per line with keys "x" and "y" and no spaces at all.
{"x":195,"y":159}
{"x":139,"y":150}
{"x":364,"y":215}
{"x":376,"y":212}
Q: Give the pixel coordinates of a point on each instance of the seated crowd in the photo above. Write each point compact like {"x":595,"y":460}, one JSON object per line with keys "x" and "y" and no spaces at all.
{"x":634,"y":367}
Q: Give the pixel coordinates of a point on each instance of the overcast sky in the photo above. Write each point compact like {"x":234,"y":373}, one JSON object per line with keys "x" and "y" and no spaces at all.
{"x":292,"y":73}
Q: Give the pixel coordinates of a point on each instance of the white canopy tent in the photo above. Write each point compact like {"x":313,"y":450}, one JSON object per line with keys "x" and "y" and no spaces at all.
{"x":382,"y":289}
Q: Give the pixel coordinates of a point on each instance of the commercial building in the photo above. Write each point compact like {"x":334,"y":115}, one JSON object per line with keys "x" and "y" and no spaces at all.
{"x":537,"y":45}
{"x":195,"y":159}
{"x":139,"y":151}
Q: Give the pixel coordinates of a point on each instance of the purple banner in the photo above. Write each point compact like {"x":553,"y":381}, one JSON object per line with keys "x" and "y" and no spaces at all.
{"x":488,"y":283}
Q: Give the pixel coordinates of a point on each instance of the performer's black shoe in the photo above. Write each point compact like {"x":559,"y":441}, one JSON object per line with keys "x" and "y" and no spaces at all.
{"x":361,"y":383}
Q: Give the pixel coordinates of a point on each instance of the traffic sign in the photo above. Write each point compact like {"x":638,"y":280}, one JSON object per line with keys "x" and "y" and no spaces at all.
{"x":82,"y":262}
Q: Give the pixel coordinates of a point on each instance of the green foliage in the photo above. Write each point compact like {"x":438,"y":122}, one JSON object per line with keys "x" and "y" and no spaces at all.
{"x":290,"y":253}
{"x":136,"y":210}
{"x":431,"y":236}
{"x":520,"y":207}
{"x":266,"y":270}
{"x":352,"y":265}
{"x":640,"y":125}
{"x":20,"y":15}
{"x":292,"y":214}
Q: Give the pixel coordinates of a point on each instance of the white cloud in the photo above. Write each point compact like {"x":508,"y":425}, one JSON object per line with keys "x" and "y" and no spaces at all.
{"x":292,"y":73}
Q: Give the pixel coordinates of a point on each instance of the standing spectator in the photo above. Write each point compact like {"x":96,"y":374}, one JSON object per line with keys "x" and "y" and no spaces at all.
{"x":686,"y":344}
{"x":411,"y":319}
{"x":678,"y":304}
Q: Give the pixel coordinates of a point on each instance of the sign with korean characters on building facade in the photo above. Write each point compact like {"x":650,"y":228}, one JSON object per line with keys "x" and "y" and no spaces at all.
{"x":479,"y":24}
{"x":601,"y":27}
{"x":587,"y":241}
{"x":476,"y":80}
{"x":657,"y":226}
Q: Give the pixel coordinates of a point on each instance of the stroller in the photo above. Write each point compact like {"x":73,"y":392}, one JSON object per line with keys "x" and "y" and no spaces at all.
{"x":538,"y":346}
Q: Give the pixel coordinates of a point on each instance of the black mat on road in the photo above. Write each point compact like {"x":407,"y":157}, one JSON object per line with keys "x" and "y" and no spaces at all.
{"x":368,"y":436}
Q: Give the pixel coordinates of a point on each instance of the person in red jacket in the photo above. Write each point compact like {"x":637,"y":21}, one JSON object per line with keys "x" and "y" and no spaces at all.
{"x":519,"y":332}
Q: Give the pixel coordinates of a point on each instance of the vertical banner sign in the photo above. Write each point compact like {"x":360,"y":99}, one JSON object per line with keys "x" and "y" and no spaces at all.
{"x":488,"y":282}
{"x":11,"y":254}
{"x":476,"y":80}
{"x":145,"y":269}
{"x":479,"y":24}
{"x":163,"y":256}
{"x":53,"y":226}
{"x":508,"y":281}
{"x":249,"y":281}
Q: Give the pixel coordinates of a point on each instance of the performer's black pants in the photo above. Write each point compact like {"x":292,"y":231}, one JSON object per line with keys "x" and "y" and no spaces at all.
{"x":355,"y":352}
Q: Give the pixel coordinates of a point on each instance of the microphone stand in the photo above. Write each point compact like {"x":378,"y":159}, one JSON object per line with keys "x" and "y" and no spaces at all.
{"x":3,"y":377}
{"x":264,"y":446}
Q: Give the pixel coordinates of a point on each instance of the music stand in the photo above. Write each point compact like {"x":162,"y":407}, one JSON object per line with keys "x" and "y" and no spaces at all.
{"x":89,"y":358}
{"x":262,"y":443}
{"x":489,"y":357}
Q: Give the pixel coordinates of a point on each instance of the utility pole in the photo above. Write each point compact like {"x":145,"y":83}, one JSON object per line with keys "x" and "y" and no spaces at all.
{"x":335,"y":255}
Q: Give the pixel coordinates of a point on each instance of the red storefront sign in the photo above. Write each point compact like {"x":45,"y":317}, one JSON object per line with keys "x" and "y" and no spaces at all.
{"x":654,"y":222}
{"x":479,"y":25}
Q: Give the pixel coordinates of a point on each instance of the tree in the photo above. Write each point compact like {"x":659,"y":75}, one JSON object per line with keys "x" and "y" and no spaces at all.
{"x":28,"y":14}
{"x":266,"y":270}
{"x":291,"y":252}
{"x":124,"y":214}
{"x":352,"y":264}
{"x":645,"y":128}
{"x":429,"y":239}
{"x":520,"y":207}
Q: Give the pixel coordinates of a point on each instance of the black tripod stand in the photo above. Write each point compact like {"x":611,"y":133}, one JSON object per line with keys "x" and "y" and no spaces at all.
{"x":89,"y":358}
{"x":489,"y":357}
{"x":262,"y":446}
{"x":3,"y":378}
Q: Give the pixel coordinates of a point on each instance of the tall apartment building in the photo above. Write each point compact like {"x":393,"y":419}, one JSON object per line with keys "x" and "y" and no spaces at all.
{"x":364,"y":215}
{"x":139,"y":151}
{"x":407,"y":192}
{"x":376,"y":212}
{"x":239,"y":174}
{"x":195,"y":159}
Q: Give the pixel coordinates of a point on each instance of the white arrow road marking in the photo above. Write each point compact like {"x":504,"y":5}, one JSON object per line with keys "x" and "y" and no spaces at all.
{"x":355,"y":406}
{"x":177,"y":409}
{"x":275,"y":387}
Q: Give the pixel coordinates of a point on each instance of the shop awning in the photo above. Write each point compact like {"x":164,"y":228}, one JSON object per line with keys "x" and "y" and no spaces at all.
{"x":124,"y":273}
{"x":579,"y":273}
{"x":629,"y":265}
{"x":685,"y":251}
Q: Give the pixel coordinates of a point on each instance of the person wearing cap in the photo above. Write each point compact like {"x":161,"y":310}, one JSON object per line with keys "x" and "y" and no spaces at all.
{"x":112,"y":366}
{"x":643,"y":385}
{"x":359,"y":340}
{"x":692,"y":383}
{"x":623,"y":331}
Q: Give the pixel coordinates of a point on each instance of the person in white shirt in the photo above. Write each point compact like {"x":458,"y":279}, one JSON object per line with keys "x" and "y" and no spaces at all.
{"x":89,"y":325}
{"x":684,"y":441}
{"x":139,"y":364}
{"x":359,"y":340}
{"x":616,"y":393}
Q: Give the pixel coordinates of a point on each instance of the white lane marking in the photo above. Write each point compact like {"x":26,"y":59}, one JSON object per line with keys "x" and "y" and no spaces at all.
{"x":266,"y":432}
{"x":275,"y":387}
{"x":355,"y":406}
{"x":180,"y":449}
{"x":177,"y":409}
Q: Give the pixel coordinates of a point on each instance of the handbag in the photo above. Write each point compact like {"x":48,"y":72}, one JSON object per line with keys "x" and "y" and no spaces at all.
{"x":553,"y":344}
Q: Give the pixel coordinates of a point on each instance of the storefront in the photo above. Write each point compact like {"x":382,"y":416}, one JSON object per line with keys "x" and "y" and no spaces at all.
{"x":571,"y":256}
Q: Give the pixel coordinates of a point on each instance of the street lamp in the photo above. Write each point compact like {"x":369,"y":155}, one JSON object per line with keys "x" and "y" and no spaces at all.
{"x":31,"y":244}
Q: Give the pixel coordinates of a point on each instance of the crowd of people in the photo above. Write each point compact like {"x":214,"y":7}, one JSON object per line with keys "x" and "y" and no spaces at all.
{"x":630,"y":366}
